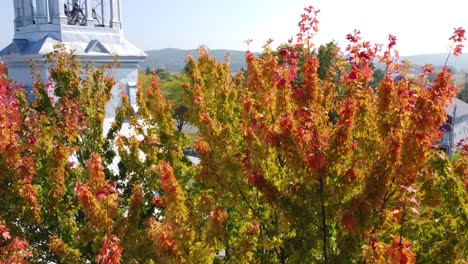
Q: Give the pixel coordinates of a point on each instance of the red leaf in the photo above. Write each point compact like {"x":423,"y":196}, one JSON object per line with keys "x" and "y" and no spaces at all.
{"x":110,"y":252}
{"x":5,"y":232}
{"x":159,"y":201}
{"x":392,"y":41}
{"x":457,"y":51}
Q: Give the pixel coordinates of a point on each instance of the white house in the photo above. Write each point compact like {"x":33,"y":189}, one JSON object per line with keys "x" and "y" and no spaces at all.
{"x":452,"y":137}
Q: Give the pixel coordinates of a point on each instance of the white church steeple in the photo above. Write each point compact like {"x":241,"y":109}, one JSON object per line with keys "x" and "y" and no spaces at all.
{"x":91,"y":28}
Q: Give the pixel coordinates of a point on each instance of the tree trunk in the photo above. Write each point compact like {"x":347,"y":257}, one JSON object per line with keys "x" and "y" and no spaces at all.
{"x":324,"y":221}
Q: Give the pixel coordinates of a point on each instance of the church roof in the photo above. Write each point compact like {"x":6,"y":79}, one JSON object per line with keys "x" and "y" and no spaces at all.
{"x":462,"y":108}
{"x":91,"y":48}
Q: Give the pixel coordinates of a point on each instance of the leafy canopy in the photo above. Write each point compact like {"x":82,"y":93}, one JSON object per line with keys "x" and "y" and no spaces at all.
{"x":302,"y":159}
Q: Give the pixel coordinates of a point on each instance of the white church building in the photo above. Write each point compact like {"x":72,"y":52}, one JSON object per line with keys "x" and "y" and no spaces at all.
{"x":91,"y":28}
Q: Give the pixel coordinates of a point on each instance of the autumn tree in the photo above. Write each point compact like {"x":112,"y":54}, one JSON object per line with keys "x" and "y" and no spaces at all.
{"x":170,"y":86}
{"x":74,"y":193}
{"x":12,"y":248}
{"x":301,"y":162}
{"x":318,"y":166}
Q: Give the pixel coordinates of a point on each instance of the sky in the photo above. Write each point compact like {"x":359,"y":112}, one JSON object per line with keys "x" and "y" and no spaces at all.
{"x":421,"y":26}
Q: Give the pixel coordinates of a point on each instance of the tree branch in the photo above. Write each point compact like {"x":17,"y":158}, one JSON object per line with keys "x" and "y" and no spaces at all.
{"x":324,"y":220}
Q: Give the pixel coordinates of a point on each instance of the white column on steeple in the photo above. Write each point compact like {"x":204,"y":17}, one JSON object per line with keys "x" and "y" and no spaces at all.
{"x":27,"y":12}
{"x":41,"y":12}
{"x":18,"y":14}
{"x":103,"y":13}
{"x":58,"y":12}
{"x":50,"y":4}
{"x":114,"y":13}
{"x":90,"y":21}
{"x":120,"y":14}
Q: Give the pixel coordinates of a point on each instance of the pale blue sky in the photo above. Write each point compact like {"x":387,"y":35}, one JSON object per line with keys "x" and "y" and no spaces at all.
{"x":421,"y":26}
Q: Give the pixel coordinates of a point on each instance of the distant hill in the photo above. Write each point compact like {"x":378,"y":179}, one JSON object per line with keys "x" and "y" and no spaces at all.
{"x":173,"y":60}
{"x":460,"y":63}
